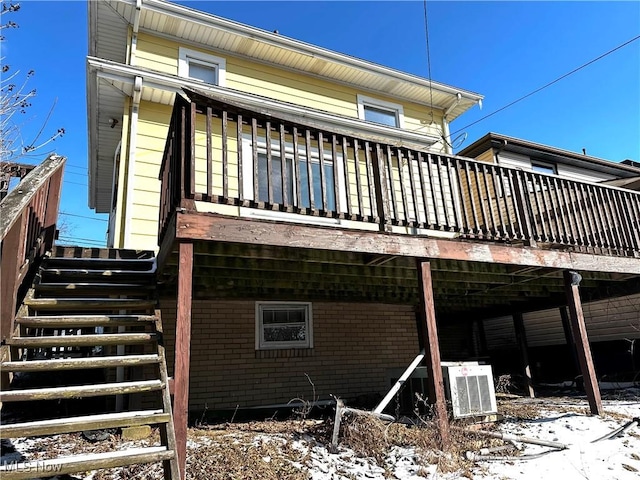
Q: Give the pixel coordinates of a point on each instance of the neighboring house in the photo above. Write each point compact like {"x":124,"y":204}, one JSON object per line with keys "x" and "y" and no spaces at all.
{"x":303,"y":202}
{"x":613,"y":324}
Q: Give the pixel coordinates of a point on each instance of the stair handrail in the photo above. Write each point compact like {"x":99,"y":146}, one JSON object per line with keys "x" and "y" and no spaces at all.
{"x":28,"y":217}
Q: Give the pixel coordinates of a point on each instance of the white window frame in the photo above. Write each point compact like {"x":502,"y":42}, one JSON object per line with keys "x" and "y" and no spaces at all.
{"x":260,"y":342}
{"x":186,"y":55}
{"x":394,"y":108}
{"x":247,"y":165}
{"x":550,"y":166}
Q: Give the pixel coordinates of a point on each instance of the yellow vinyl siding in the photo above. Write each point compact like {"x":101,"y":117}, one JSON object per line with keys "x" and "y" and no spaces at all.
{"x":161,"y":55}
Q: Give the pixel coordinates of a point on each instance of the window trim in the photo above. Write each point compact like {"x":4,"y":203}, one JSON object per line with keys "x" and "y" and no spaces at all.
{"x":551,"y":166}
{"x":396,"y":108}
{"x":262,"y":345}
{"x":185,"y":55}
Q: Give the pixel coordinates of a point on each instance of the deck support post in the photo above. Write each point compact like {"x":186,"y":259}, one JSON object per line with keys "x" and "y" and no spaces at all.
{"x":521,"y":337}
{"x":429,"y":333}
{"x":183,"y":353}
{"x":571,"y":283}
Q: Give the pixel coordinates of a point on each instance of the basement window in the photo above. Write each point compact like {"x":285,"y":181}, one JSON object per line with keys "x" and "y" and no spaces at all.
{"x":283,"y":325}
{"x":201,"y":66}
{"x":379,"y":111}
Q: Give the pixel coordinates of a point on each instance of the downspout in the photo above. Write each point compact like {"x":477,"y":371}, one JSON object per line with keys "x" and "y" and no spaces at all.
{"x":133,"y":132}
{"x":445,"y":124}
{"x":134,"y":35}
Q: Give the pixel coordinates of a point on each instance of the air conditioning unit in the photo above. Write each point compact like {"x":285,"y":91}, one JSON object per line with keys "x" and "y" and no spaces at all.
{"x":470,"y":389}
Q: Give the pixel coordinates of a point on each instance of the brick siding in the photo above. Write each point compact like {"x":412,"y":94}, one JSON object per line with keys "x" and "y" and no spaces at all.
{"x":354,"y":347}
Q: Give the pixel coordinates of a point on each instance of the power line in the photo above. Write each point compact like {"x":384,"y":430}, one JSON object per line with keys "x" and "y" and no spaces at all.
{"x":426,"y":33}
{"x":76,"y":173}
{"x":83,"y":216}
{"x":549,"y":84}
{"x":74,"y":183}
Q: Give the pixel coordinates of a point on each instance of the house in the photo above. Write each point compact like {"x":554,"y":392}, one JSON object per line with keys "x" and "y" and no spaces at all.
{"x":310,"y":220}
{"x":613,"y":324}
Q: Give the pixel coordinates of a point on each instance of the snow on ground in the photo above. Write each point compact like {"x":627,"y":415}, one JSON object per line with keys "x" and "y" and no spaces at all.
{"x":299,"y":450}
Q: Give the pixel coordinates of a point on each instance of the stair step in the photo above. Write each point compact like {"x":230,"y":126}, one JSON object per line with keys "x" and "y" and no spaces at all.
{"x":111,"y":274}
{"x":99,"y":263}
{"x":77,"y":321}
{"x":82,"y":340}
{"x":80,"y":391}
{"x":79,"y":363}
{"x":57,"y":304}
{"x":60,"y":251}
{"x":83,"y":463}
{"x":85,"y":288}
{"x":79,"y":424}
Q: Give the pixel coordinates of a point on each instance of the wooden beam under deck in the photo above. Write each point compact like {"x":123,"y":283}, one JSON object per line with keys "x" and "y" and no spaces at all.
{"x":210,"y":227}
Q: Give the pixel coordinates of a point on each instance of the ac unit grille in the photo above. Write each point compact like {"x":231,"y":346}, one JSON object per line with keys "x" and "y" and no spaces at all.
{"x":470,"y":389}
{"x":473,"y":394}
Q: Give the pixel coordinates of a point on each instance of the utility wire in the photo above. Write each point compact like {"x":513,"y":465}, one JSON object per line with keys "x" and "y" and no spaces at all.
{"x":83,"y":216}
{"x":426,"y":34}
{"x":548,"y":84}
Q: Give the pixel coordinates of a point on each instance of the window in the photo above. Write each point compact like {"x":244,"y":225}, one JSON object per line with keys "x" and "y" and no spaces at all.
{"x":291,"y":186}
{"x":540,"y":167}
{"x":283,"y":325}
{"x":378,"y":111}
{"x":201,"y":66}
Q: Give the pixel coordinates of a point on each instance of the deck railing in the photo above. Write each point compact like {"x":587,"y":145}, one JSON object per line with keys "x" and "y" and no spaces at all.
{"x":219,"y":153}
{"x":28,"y":216}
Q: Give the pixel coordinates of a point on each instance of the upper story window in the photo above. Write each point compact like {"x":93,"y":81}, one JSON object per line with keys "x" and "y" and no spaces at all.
{"x":542,"y":167}
{"x":380,"y":111}
{"x":201,"y":66}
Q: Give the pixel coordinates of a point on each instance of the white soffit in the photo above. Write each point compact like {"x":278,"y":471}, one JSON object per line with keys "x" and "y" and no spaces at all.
{"x":235,"y":38}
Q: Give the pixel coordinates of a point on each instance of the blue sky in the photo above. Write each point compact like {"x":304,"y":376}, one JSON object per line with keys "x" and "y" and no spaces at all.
{"x":502,"y":50}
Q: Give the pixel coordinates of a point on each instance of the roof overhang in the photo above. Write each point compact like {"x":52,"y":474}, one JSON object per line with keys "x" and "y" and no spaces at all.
{"x":504,"y":143}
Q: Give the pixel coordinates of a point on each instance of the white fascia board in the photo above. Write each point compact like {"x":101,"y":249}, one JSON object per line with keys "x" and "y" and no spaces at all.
{"x":280,"y":41}
{"x":126,"y":73}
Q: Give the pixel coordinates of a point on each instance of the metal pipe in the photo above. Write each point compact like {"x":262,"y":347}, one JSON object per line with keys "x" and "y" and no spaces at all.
{"x":507,"y":437}
{"x":619,"y":431}
{"x":396,"y":387}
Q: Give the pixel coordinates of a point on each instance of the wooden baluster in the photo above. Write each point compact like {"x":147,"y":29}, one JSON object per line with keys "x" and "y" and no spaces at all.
{"x":463,"y":204}
{"x":547,"y":202}
{"x":563,"y":218}
{"x":613,"y":218}
{"x":487,"y":191}
{"x":392,"y":187}
{"x":575,"y":213}
{"x":183,"y":155}
{"x":483,"y":210}
{"x":356,"y":160}
{"x":423,"y":190}
{"x":566,"y":201}
{"x":441,"y":181}
{"x":633,"y":203}
{"x":371,"y":182}
{"x":588,"y":209}
{"x":539,"y":227}
{"x":457,"y":215}
{"x":498,"y":190}
{"x":254,"y":156}
{"x":284,"y":176}
{"x":431,"y":160}
{"x":240,"y":165}
{"x":347,"y":181}
{"x":209,"y":159}
{"x":307,"y":143}
{"x":581,"y":207}
{"x":270,"y":176}
{"x":336,"y":178}
{"x":380,"y":183}
{"x":596,"y":215}
{"x":225,"y":156}
{"x":414,"y":195}
{"x":623,"y":219}
{"x":474,"y":211}
{"x":323,"y":180}
{"x":296,"y":166}
{"x":192,"y":149}
{"x":403,"y":189}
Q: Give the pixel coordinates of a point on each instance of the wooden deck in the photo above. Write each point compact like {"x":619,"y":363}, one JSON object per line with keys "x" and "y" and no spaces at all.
{"x":222,"y":158}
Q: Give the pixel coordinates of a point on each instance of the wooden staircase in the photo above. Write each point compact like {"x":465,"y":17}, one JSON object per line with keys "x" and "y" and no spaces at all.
{"x":88,"y":330}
